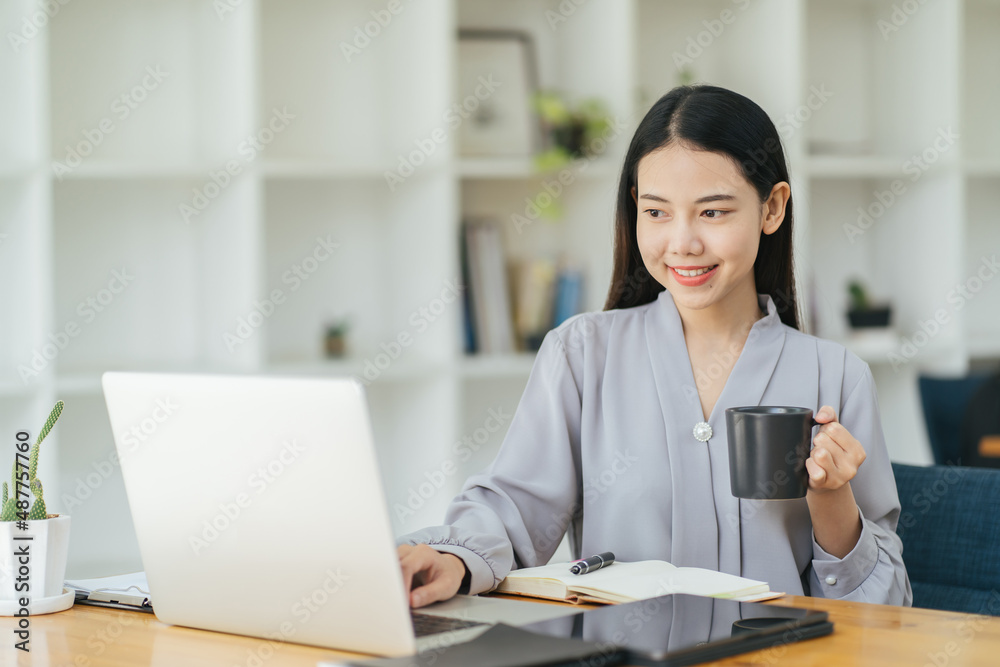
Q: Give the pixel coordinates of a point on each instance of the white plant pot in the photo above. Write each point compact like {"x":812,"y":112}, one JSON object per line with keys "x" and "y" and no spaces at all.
{"x":48,"y":549}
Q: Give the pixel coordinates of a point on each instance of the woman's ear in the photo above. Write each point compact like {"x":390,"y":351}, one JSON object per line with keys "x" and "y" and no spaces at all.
{"x":774,"y":207}
{"x":633,"y":196}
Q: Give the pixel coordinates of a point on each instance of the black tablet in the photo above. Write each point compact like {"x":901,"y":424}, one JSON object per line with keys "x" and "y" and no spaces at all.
{"x":686,"y":629}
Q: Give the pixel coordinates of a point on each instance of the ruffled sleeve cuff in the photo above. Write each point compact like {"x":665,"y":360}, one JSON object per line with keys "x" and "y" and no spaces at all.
{"x":482,"y":578}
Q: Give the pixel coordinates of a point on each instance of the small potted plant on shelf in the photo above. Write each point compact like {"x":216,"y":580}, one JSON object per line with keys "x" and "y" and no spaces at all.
{"x":35,"y":543}
{"x":862,"y":313}
{"x":335,"y":339}
{"x":570,"y":132}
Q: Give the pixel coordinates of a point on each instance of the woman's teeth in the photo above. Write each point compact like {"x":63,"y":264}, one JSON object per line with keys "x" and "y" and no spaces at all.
{"x":691,"y":274}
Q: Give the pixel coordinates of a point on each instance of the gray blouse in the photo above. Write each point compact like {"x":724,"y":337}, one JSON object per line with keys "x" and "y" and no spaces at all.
{"x":601,"y":445}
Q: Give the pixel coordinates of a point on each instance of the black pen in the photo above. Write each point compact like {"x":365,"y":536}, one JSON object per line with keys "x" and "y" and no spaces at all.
{"x":585,"y":565}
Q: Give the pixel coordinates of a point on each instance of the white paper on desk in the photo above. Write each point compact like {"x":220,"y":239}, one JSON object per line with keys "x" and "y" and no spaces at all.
{"x":123,"y":588}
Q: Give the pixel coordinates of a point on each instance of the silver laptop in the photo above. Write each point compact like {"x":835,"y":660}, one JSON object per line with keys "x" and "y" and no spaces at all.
{"x":259,"y":510}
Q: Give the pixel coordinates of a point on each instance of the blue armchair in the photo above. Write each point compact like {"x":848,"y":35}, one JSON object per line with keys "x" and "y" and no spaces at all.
{"x":944,"y":402}
{"x":951,"y":536}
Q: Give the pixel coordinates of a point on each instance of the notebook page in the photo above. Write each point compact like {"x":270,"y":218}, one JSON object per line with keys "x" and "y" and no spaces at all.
{"x":560,"y":572}
{"x":117,"y":583}
{"x":693,"y":581}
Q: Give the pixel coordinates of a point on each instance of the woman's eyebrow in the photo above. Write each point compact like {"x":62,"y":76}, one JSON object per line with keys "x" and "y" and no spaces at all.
{"x":700,"y":200}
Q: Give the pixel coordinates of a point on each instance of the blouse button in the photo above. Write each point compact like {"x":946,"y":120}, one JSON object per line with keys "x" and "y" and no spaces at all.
{"x":830,"y":581}
{"x":702,"y":431}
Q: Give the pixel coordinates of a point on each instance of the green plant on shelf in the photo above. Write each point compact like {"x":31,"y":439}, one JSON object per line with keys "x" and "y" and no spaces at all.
{"x":863,"y":313}
{"x":571,"y":131}
{"x":14,"y":509}
{"x":859,"y":296}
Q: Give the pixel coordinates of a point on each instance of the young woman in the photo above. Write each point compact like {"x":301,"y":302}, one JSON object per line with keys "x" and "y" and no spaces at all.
{"x":620,"y":436}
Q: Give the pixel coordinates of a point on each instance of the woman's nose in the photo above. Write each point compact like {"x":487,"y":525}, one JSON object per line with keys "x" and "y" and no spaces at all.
{"x":684,"y":239}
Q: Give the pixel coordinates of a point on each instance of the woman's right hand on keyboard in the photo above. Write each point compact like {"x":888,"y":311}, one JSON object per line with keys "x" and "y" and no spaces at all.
{"x":429,"y":575}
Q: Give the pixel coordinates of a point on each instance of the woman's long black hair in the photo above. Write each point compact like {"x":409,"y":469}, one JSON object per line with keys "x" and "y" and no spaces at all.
{"x":721,"y":121}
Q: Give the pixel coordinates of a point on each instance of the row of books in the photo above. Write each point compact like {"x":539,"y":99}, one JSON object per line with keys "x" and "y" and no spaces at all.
{"x":511,"y":308}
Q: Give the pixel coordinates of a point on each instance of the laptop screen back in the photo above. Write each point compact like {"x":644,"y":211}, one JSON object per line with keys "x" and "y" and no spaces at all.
{"x":259,"y":507}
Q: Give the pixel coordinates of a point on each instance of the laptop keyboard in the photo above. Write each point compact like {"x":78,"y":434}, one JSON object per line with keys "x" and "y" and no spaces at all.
{"x":426,"y":624}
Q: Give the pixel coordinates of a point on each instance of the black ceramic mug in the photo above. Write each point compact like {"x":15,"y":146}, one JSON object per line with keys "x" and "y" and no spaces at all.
{"x":768,"y":448}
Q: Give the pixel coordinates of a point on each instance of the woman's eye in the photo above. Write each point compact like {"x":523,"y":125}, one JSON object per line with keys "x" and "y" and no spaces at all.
{"x":714,"y":213}
{"x":655,"y":213}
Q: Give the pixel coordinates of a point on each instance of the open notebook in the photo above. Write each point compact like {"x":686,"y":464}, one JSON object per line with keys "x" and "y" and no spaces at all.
{"x":123,"y":591}
{"x":627,"y":582}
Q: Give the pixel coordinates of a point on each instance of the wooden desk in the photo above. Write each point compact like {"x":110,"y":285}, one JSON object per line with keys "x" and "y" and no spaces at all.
{"x":864,"y":634}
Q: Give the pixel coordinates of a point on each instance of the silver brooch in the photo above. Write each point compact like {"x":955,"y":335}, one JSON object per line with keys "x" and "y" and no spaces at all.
{"x":702,"y":431}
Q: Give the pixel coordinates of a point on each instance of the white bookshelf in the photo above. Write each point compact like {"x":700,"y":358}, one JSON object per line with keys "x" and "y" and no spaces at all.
{"x":197,"y":84}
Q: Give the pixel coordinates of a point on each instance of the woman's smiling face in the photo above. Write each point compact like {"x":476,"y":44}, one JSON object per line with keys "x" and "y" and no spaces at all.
{"x":698,"y":225}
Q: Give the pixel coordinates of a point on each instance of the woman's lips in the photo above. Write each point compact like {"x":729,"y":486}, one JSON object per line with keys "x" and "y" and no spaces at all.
{"x":693,"y":281}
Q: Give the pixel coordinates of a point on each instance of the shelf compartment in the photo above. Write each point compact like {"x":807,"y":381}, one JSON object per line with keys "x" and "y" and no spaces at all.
{"x":349,"y":249}
{"x":181,"y":96}
{"x":142,"y":286}
{"x":340,"y":115}
{"x":576,"y":228}
{"x":860,"y":228}
{"x":878,"y":106}
{"x":569,"y":57}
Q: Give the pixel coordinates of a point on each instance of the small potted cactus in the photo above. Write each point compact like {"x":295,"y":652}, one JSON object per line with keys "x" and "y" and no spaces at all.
{"x":35,"y":543}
